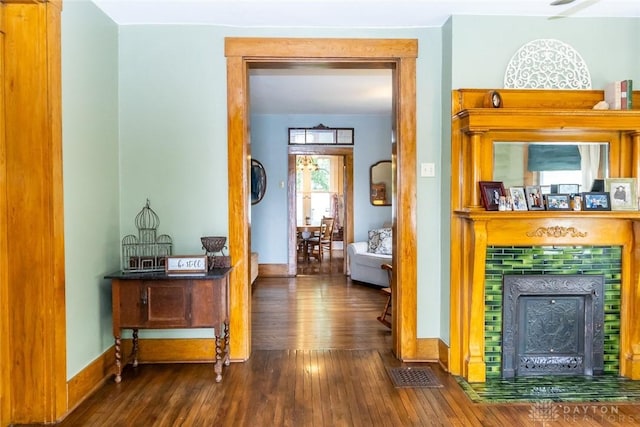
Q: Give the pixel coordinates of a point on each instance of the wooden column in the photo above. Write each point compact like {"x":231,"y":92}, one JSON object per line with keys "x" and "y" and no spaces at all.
{"x":630,"y":342}
{"x":239,"y":213}
{"x":475,"y":366}
{"x":635,"y":154}
{"x":405,"y":294}
{"x":629,"y":328}
{"x":5,"y":354}
{"x":475,"y":174}
{"x":32,"y":336}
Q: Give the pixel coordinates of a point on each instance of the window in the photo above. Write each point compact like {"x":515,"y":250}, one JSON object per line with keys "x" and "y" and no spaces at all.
{"x":316,"y":187}
{"x":321,"y":135}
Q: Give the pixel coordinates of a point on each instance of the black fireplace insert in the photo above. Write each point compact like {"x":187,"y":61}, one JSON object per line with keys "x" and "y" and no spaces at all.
{"x":552,"y":325}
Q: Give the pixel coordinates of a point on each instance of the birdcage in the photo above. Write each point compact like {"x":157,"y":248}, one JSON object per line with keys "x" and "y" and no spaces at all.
{"x":147,"y":251}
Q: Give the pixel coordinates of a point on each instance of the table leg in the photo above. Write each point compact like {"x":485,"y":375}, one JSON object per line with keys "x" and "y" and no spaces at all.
{"x":217,"y":366}
{"x":118,"y":351}
{"x":134,"y":349}
{"x":226,"y":344}
{"x":222,"y":350}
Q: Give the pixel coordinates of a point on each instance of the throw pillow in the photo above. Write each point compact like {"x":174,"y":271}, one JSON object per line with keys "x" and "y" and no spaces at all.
{"x":380,"y":241}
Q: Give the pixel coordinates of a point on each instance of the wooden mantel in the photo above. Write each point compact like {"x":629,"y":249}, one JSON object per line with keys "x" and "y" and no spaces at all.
{"x":534,"y":115}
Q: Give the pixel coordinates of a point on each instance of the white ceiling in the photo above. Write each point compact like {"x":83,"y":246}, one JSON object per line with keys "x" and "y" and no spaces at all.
{"x":320,"y":91}
{"x":316,"y":90}
{"x":345,"y":13}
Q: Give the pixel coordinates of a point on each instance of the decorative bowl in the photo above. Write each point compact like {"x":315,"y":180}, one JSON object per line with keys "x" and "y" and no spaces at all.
{"x":213,"y":243}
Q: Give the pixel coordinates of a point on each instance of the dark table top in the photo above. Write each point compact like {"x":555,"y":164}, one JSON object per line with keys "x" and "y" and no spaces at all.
{"x":215,"y":273}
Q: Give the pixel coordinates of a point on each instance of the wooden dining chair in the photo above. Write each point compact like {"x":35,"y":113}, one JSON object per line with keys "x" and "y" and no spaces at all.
{"x":386,"y":311}
{"x":324,"y":240}
{"x":301,"y":246}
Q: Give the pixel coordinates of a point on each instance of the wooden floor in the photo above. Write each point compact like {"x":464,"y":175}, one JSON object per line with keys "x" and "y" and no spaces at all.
{"x":319,"y":359}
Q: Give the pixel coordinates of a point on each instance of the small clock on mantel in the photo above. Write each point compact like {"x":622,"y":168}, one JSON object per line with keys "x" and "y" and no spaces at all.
{"x":493,"y":99}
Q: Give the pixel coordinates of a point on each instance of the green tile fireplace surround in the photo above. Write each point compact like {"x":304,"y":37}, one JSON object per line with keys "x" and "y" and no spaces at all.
{"x":502,"y":260}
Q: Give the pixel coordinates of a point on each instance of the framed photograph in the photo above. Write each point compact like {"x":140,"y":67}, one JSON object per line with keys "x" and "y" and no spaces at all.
{"x":568,"y":189}
{"x":518,"y":198}
{"x":546,"y":189}
{"x":535,"y":197}
{"x":596,"y":201}
{"x":623,"y":193}
{"x":558,"y":202}
{"x":490,"y":192}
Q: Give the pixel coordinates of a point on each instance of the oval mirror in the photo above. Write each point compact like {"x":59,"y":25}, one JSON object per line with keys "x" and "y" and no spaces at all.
{"x":380,"y":183}
{"x":258,"y":181}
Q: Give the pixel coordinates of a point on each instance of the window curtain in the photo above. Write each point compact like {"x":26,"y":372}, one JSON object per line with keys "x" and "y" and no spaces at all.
{"x":589,"y":163}
{"x":336,"y":211}
{"x":553,"y":157}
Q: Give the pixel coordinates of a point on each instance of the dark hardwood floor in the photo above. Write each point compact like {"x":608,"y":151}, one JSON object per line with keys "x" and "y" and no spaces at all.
{"x":319,"y":359}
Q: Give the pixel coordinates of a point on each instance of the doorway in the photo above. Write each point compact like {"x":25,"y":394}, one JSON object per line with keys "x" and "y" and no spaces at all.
{"x":400,"y":54}
{"x":321,"y":183}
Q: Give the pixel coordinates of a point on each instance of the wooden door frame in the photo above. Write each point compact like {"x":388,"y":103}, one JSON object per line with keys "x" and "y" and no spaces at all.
{"x":33,"y":349}
{"x":399,"y":54}
{"x":347,"y":155}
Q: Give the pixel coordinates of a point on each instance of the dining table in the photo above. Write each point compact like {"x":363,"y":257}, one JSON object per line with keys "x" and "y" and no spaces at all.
{"x":305,"y":232}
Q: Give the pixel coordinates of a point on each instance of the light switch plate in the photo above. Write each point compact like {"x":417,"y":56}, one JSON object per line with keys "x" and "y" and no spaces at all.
{"x":428,"y":169}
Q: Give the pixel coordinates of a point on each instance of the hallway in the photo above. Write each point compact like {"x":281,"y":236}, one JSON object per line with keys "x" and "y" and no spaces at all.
{"x":317,"y":312}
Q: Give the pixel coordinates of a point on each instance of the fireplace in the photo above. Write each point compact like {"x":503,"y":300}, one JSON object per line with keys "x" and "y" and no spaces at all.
{"x":552,"y":325}
{"x":475,"y":339}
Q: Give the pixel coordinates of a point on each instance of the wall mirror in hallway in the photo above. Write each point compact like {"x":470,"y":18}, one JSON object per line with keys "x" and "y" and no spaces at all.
{"x":380,"y":183}
{"x":258,"y":181}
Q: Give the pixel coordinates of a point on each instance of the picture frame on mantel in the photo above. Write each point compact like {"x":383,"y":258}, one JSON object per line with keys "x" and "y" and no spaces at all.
{"x":558,"y":202}
{"x":518,"y":198}
{"x":623,"y":193}
{"x":596,"y":201}
{"x":535,"y":197}
{"x":490,"y":192}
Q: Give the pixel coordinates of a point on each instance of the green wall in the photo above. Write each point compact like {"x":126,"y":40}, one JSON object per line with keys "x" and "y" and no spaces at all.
{"x":483,"y":46}
{"x":166,"y":140}
{"x":91,"y":178}
{"x":173,"y":133}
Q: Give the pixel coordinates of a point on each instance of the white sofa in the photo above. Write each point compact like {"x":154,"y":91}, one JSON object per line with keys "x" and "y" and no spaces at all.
{"x":364,"y":266}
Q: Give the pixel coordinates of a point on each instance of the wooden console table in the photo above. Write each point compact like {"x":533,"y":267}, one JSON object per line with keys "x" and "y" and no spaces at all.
{"x":160,"y":301}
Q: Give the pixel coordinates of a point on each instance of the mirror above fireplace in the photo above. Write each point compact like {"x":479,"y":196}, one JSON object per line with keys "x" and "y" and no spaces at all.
{"x":519,"y":164}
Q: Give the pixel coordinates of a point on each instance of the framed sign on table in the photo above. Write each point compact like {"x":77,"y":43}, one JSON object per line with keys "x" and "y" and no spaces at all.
{"x":186,"y":265}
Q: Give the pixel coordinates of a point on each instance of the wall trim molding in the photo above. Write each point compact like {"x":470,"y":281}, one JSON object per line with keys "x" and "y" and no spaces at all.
{"x":162,"y":350}
{"x":274,"y":270}
{"x":431,"y":350}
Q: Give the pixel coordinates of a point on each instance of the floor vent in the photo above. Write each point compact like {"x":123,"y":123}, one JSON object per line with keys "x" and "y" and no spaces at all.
{"x":410,"y":377}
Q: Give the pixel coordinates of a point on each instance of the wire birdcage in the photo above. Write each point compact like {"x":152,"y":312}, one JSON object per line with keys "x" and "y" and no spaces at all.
{"x":145,"y":252}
